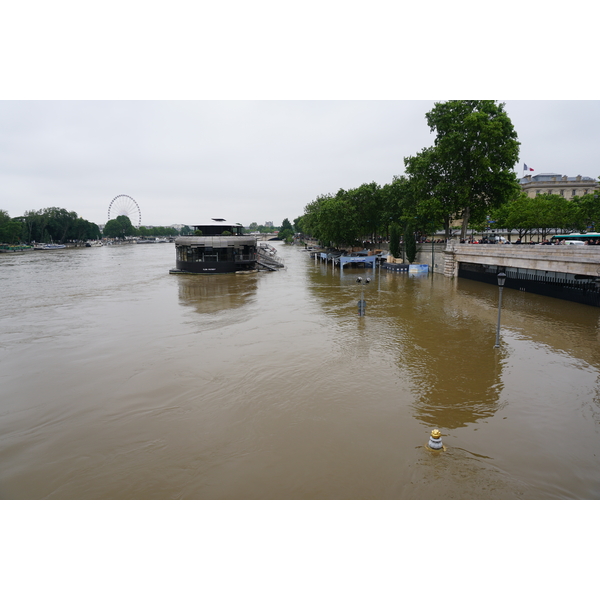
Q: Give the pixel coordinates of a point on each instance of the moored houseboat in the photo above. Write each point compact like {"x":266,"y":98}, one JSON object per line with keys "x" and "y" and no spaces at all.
{"x":49,"y":246}
{"x":16,"y":248}
{"x":215,"y":247}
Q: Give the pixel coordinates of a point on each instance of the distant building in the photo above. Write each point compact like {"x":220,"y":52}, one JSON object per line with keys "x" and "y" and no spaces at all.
{"x":269,"y":224}
{"x":561,"y":185}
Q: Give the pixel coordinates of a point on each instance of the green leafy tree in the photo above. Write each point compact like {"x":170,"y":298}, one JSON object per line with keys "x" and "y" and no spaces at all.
{"x":551,"y":212}
{"x":542,"y":213}
{"x":10,"y":229}
{"x":185,"y":230}
{"x":395,"y":240}
{"x":397,"y":203}
{"x":57,"y":224}
{"x":265,"y":229}
{"x":348,"y":217}
{"x":475,"y":151}
{"x":338,"y":222}
{"x":368,"y":209}
{"x":429,"y":191}
{"x":517,"y":215}
{"x":157,"y":231}
{"x":410,"y":244}
{"x":60,"y":220}
{"x":81,"y":230}
{"x":120,"y":227}
{"x":310,"y":218}
{"x":586,"y":215}
{"x":286,"y":231}
{"x":94,"y":232}
{"x":35,"y":225}
{"x":298,"y":225}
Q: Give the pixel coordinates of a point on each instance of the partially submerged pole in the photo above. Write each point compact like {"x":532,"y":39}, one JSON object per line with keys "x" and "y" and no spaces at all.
{"x":435,"y":440}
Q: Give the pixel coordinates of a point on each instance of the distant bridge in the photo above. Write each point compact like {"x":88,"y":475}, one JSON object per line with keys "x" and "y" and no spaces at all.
{"x":265,"y":237}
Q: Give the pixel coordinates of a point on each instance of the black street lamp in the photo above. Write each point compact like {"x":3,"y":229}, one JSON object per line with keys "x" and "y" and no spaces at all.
{"x":501,"y":280}
{"x":362,"y":305}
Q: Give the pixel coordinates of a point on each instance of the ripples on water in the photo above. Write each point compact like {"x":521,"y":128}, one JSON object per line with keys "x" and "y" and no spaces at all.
{"x":122,"y":381}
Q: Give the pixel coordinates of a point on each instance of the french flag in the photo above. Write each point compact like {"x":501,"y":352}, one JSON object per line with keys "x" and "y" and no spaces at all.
{"x":526,"y":168}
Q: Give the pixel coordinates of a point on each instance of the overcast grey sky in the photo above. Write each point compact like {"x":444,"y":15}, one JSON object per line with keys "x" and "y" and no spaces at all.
{"x":238,"y":110}
{"x":186,"y":161}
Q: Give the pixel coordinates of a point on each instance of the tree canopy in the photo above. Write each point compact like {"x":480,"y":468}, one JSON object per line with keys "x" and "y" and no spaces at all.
{"x":286,"y":231}
{"x":56,"y":224}
{"x":160,"y":231}
{"x":545,"y":213}
{"x":349,"y":216}
{"x":10,"y":229}
{"x":394,"y":246}
{"x":469,"y":169}
{"x":587,"y":212}
{"x":467,"y":174}
{"x":120,"y":227}
{"x":464,"y":175}
{"x":410,"y":244}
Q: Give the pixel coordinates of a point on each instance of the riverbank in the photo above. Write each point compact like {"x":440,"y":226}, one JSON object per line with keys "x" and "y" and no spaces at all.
{"x":6,"y":248}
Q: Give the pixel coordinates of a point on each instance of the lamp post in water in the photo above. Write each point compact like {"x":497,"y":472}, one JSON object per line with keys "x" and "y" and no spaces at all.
{"x":361,"y":303}
{"x":501,"y":280}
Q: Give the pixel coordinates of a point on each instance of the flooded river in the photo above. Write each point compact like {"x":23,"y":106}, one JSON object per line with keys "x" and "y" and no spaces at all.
{"x":121,"y":381}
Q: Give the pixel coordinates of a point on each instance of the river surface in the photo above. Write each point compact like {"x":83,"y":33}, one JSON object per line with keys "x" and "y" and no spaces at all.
{"x":121,"y":381}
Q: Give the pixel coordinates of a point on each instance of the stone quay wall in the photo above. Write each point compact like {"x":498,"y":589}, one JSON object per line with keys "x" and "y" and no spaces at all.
{"x":578,"y":260}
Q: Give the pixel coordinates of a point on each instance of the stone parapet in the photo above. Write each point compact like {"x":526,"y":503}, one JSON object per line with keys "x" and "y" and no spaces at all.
{"x":579,"y":260}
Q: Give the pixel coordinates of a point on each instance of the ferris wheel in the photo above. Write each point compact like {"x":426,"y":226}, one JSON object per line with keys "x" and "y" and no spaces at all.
{"x":125,"y":206}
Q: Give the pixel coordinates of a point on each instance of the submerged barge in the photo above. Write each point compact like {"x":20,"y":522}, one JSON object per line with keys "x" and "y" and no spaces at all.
{"x":215,"y":247}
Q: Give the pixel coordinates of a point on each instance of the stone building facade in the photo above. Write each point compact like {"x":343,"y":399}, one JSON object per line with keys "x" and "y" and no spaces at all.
{"x":561,"y":185}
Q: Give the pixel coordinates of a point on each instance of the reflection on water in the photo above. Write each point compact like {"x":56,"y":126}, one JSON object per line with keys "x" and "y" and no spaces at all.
{"x":455,"y":376}
{"x":434,"y":342}
{"x":120,"y":380}
{"x":213,"y":293}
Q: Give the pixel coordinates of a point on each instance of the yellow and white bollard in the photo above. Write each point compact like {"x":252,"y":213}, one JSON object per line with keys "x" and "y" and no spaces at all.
{"x":435,"y":440}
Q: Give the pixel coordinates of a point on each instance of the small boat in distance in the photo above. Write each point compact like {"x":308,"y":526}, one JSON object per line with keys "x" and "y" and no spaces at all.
{"x":49,"y":247}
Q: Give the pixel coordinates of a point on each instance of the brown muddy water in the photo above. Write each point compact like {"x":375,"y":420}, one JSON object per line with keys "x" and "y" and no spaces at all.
{"x":120,"y":381}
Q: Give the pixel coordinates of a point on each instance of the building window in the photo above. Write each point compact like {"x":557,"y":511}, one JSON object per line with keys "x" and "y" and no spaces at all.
{"x":573,"y":193}
{"x":562,"y":192}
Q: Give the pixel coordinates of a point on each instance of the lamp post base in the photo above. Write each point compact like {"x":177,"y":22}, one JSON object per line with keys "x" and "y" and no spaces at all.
{"x":497,"y":345}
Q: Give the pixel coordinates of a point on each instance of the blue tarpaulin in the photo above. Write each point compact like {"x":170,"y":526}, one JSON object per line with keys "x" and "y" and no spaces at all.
{"x":357,"y":259}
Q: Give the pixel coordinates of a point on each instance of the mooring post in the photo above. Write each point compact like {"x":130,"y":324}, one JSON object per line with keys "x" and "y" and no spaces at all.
{"x":435,"y":440}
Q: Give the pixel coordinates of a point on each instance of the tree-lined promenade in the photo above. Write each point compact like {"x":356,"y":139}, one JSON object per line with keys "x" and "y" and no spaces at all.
{"x":45,"y":225}
{"x":60,"y":225}
{"x":467,"y":176}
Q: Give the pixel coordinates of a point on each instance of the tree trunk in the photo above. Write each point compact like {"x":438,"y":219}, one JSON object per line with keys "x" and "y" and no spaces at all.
{"x":447,"y":227}
{"x":465,"y":223}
